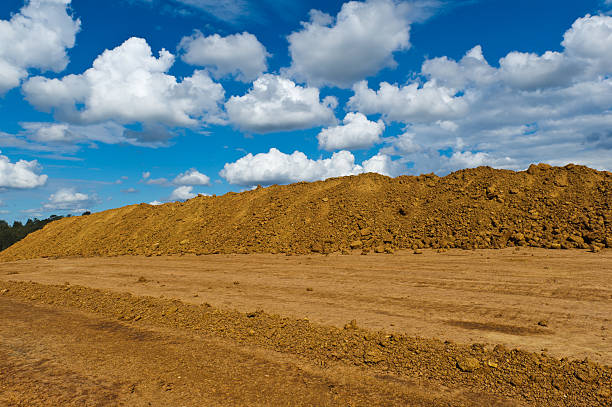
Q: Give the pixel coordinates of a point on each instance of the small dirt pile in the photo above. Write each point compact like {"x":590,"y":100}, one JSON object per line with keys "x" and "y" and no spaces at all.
{"x":551,"y":207}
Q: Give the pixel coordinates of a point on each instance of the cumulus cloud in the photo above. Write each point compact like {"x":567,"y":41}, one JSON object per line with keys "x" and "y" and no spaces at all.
{"x":36,"y":37}
{"x":472,"y":68}
{"x":357,"y":43}
{"x":554,"y":107}
{"x":275,"y":167}
{"x":530,"y":71}
{"x":191,"y":177}
{"x":356,"y":132}
{"x":240,"y":55}
{"x":182,"y":193}
{"x":68,"y":199}
{"x":383,"y":164}
{"x":20,"y":175}
{"x":409,"y":103}
{"x":275,"y":103}
{"x":129,"y":85}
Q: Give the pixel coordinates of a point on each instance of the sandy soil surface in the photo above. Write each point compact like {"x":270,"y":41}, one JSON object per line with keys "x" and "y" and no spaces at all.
{"x":558,"y":302}
{"x":63,"y":357}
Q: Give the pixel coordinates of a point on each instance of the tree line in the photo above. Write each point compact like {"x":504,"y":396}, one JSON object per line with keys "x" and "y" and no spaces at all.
{"x":12,"y":234}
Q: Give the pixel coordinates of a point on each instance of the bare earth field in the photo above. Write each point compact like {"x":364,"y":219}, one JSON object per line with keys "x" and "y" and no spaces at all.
{"x":56,"y":350}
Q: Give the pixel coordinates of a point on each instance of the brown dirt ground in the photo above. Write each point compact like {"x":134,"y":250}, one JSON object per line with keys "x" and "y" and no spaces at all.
{"x":64,"y":345}
{"x":488,"y":296}
{"x":550,"y":207}
{"x":62,"y":357}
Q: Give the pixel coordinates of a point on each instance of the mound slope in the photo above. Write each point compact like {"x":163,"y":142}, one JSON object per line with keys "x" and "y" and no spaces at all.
{"x":552,"y":207}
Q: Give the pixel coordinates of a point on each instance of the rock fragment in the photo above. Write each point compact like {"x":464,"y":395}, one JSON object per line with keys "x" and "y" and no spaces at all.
{"x":468,"y":364}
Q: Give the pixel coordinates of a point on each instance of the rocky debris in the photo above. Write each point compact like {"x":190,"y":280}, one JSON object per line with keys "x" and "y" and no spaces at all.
{"x":550,"y":207}
{"x":468,"y":364}
{"x":356,"y":244}
{"x":594,"y":248}
{"x":528,"y":378}
{"x":351,"y":325}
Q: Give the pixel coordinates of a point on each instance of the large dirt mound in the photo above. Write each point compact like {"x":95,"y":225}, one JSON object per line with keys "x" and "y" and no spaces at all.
{"x":552,"y":207}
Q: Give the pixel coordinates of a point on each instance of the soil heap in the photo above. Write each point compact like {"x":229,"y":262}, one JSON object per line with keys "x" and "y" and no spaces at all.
{"x":550,"y":207}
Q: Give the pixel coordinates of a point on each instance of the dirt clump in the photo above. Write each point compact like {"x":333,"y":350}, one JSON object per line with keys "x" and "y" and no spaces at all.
{"x":550,"y":207}
{"x":468,"y":364}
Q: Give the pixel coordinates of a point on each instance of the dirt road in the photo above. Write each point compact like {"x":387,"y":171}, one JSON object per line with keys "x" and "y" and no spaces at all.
{"x":558,"y":302}
{"x":61,"y":344}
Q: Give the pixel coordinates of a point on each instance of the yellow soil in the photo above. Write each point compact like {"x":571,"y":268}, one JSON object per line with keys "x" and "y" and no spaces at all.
{"x":545,"y":206}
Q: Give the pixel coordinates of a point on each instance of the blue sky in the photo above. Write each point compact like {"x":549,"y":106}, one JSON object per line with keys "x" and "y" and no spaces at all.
{"x":158,"y":100}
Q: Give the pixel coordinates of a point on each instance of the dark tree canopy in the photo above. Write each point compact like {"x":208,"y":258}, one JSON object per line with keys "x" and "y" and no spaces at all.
{"x":12,"y":234}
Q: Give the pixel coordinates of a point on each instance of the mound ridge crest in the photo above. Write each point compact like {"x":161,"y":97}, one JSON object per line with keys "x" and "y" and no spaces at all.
{"x":551,"y":207}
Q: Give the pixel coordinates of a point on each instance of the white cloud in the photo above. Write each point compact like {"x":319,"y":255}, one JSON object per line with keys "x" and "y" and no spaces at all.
{"x":590,"y":40}
{"x":68,"y":199}
{"x":129,"y":85}
{"x":191,"y":177}
{"x":20,"y":175}
{"x":472,"y":68}
{"x":356,"y":132}
{"x":67,"y":137}
{"x":241,"y":55}
{"x":409,"y":103}
{"x":555,"y":107}
{"x":156,"y":203}
{"x":157,"y":181}
{"x":146,"y":178}
{"x":50,"y":132}
{"x":468,"y":159}
{"x":36,"y":37}
{"x":275,"y":167}
{"x":383,"y":164}
{"x":278,"y":104}
{"x":182,"y":193}
{"x":531,"y":71}
{"x":358,"y":43}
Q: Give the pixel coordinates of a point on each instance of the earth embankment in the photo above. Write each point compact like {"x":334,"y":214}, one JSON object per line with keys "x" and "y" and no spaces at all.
{"x":549,"y":207}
